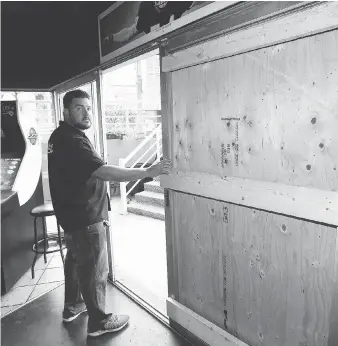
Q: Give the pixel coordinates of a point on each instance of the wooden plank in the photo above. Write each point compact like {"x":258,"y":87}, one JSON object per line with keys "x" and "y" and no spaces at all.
{"x":320,"y":18}
{"x":279,"y":278}
{"x":199,"y":226}
{"x":267,"y":115}
{"x":333,"y":334}
{"x":307,"y":203}
{"x":167,"y":120}
{"x":202,"y":328}
{"x":234,"y":18}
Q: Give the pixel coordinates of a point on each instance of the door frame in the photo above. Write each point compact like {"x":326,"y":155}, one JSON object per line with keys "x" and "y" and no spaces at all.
{"x":124,"y":61}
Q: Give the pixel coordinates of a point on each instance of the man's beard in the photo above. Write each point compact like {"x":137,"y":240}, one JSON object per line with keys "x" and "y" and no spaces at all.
{"x":82,"y":126}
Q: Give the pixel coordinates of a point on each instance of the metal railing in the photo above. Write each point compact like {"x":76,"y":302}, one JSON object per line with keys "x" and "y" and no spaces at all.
{"x":138,"y":154}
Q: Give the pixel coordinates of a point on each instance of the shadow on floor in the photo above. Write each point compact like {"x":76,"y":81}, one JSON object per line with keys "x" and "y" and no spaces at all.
{"x":39,"y":323}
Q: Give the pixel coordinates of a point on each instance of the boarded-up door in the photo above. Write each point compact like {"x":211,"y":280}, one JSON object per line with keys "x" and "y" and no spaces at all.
{"x":252,"y":204}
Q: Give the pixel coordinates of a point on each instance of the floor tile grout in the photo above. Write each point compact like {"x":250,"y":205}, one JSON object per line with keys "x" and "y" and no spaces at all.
{"x":46,"y":266}
{"x":57,"y":282}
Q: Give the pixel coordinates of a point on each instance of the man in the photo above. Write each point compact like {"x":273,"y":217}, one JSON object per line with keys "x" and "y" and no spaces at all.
{"x":150,"y":13}
{"x":77,"y":178}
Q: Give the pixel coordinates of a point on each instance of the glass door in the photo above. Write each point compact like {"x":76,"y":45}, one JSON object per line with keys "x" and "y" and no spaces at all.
{"x":131,"y":112}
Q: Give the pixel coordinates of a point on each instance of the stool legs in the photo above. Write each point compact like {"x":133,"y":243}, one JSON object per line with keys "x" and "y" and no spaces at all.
{"x":60,"y":243}
{"x":36,"y":247}
{"x":45,"y":242}
{"x":44,"y":238}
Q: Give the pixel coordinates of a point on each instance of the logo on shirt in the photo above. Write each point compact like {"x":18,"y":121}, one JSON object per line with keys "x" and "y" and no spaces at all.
{"x":50,"y":148}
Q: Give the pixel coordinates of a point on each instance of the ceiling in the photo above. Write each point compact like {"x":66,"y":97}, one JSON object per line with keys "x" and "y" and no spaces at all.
{"x":46,"y":42}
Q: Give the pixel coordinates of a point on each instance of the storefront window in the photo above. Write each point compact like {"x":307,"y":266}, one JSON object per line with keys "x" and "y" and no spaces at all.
{"x":132,"y":99}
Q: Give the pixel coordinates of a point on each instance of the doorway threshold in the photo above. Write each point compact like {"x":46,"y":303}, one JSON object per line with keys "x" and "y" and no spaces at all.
{"x":151,"y":310}
{"x":138,"y":300}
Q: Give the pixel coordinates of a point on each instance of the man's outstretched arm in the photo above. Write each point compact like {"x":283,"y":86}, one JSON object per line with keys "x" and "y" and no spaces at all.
{"x":115,"y":173}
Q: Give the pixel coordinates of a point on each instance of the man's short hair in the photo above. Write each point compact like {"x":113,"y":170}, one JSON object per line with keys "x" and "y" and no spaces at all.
{"x":74,"y":94}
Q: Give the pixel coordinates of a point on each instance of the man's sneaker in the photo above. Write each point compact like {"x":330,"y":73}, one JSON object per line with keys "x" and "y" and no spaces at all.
{"x":113,"y":324}
{"x":69,"y":316}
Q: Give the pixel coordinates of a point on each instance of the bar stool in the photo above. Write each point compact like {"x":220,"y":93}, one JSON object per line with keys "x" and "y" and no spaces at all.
{"x":43,"y":211}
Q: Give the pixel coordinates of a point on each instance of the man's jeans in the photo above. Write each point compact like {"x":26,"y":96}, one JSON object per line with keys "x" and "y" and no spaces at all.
{"x":86,"y":271}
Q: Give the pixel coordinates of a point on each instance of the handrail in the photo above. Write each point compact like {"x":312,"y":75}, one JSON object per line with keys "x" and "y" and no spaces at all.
{"x":157,"y":160}
{"x":142,"y":144}
{"x":139,"y":159}
{"x":156,"y":150}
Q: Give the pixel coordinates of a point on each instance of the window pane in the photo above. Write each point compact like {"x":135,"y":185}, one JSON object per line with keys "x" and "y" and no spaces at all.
{"x":132,"y":99}
{"x":8,"y":96}
{"x":33,"y":96}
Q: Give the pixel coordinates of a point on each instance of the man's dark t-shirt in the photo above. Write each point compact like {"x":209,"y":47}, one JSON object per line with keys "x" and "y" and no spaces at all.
{"x":78,"y":199}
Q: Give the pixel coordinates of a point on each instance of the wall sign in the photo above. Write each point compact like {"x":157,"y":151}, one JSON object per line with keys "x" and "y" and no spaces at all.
{"x":32,"y":136}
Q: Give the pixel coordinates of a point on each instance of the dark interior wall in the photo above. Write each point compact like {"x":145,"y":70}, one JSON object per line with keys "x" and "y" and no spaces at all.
{"x":47,"y":42}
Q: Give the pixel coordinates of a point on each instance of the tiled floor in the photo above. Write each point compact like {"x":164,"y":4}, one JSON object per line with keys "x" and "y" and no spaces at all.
{"x":47,"y":277}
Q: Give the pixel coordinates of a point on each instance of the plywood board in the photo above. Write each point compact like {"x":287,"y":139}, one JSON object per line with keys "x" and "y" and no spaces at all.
{"x":265,"y":278}
{"x":312,"y":18}
{"x":198,"y":228}
{"x":280,"y":274}
{"x":269,"y":115}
